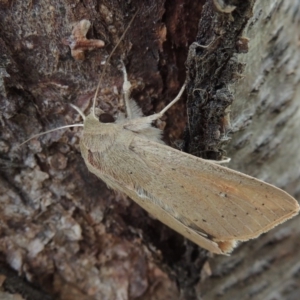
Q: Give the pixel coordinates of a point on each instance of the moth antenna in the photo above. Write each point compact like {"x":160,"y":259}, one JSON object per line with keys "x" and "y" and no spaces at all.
{"x":107,"y":61}
{"x":58,"y":128}
{"x":79,"y":111}
{"x":51,"y":130}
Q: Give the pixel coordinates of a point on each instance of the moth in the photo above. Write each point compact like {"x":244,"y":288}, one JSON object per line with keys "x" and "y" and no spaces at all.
{"x":211,"y":205}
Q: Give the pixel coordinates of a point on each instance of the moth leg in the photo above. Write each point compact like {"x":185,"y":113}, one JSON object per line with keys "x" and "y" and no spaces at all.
{"x":126,"y":91}
{"x":223,"y":161}
{"x":161,"y":113}
{"x":143,"y":122}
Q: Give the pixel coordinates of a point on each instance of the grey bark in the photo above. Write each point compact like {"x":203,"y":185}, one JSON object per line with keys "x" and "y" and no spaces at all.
{"x":61,"y":228}
{"x":265,"y":144}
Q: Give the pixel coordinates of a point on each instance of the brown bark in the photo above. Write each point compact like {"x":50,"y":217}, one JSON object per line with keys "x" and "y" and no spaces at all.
{"x":61,"y":228}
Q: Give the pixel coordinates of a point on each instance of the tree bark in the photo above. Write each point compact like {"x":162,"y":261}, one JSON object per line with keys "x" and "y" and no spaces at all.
{"x":63,"y":232}
{"x":265,"y":142}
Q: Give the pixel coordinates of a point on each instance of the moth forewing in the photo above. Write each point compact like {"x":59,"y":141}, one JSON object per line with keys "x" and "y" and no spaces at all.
{"x":209,"y":204}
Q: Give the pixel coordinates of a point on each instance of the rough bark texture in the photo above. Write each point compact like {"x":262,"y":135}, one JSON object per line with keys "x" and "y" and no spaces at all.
{"x":265,"y":144}
{"x":60,"y":228}
{"x":211,"y":66}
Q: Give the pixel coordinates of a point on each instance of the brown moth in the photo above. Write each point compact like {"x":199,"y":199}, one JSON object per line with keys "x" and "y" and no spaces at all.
{"x":213,"y":206}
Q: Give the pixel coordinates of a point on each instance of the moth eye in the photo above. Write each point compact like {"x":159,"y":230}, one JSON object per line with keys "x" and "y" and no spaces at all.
{"x":106,"y":118}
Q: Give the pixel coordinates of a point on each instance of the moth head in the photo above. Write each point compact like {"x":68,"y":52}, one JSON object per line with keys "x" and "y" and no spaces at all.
{"x":90,"y":122}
